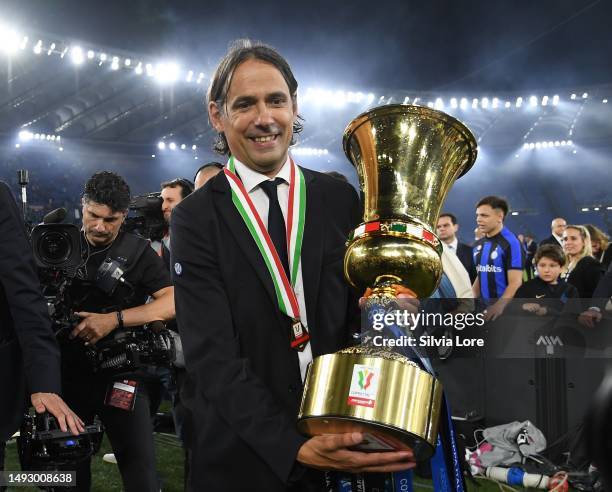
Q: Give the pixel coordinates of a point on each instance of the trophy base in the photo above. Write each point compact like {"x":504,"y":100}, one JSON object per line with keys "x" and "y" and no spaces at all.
{"x":376,"y":437}
{"x":379,"y":393}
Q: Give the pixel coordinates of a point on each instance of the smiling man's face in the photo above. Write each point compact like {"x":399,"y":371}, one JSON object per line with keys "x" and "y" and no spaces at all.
{"x":257,"y":117}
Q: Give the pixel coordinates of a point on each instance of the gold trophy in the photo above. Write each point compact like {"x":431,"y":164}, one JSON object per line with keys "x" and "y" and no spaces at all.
{"x":407,"y":158}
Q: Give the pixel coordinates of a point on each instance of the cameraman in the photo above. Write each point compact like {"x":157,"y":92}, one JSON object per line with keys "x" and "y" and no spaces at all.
{"x":172,"y":193}
{"x":29,"y":356}
{"x":106,"y":311}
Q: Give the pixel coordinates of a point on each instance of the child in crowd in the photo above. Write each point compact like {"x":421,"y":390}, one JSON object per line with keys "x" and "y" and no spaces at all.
{"x":547,"y":293}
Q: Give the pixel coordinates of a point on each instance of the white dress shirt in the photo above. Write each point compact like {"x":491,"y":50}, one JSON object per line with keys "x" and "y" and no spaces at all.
{"x":251,"y":180}
{"x":452,"y":246}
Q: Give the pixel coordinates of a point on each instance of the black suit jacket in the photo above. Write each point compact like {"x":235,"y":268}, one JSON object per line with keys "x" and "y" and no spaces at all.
{"x":236,"y":340}
{"x":29,"y":356}
{"x":603,"y":292}
{"x":550,"y":240}
{"x":464,"y":253}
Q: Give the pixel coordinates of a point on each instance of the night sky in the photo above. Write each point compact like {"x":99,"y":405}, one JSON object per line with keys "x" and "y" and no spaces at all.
{"x":375,"y":45}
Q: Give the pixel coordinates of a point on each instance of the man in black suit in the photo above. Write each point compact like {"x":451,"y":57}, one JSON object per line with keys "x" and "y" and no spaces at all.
{"x":601,"y":296}
{"x":447,"y":228}
{"x":557,"y":226}
{"x":252,"y":311}
{"x":29,"y":355}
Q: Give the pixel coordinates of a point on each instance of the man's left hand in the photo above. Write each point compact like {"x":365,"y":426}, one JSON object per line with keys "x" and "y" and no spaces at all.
{"x":94,"y":326}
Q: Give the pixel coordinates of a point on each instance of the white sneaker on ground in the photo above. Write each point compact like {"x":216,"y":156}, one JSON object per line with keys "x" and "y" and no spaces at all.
{"x":109,"y":458}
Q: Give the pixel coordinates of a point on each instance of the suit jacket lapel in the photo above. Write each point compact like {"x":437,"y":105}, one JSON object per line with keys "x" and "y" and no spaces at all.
{"x":312,"y":247}
{"x":229,"y":214}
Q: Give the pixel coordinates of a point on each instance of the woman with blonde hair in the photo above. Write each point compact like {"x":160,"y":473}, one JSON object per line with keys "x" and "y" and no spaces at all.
{"x":582,"y":270}
{"x":599,"y":243}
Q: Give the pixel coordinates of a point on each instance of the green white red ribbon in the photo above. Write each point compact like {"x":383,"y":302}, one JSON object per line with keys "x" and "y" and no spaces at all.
{"x":296,"y":215}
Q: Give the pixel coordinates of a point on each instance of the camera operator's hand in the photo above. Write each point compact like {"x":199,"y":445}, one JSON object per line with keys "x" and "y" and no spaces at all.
{"x":54,"y":404}
{"x":94,"y":326}
{"x":332,"y":452}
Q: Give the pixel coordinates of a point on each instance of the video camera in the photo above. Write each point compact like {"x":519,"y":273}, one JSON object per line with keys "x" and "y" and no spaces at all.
{"x":145,"y":216}
{"x":42,"y":445}
{"x":131,"y":349}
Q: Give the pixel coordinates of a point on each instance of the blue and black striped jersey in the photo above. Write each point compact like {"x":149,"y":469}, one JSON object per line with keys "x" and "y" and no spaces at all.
{"x":493,"y":257}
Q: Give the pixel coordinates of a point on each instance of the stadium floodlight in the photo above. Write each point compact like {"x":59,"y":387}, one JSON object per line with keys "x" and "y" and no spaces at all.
{"x":24,"y":42}
{"x":585,"y":95}
{"x":555,"y":100}
{"x":172,"y":146}
{"x":532,"y":145}
{"x":495,"y":103}
{"x":149,"y":68}
{"x":17,"y":146}
{"x":9,"y":40}
{"x":115,"y":63}
{"x":463,"y":103}
{"x":573,"y":96}
{"x":584,"y":209}
{"x":51,"y":48}
{"x":538,"y":145}
{"x":127,"y":62}
{"x":25,"y":135}
{"x":103,"y":57}
{"x":194,"y":146}
{"x":439,"y":104}
{"x":484,"y":102}
{"x":161,"y":145}
{"x":189,"y":76}
{"x":545,"y":101}
{"x":605,"y":101}
{"x":138,"y":69}
{"x":371,"y":97}
{"x":519,"y":102}
{"x":596,"y":209}
{"x":90,"y":54}
{"x":508,"y":104}
{"x":61,"y":149}
{"x":167,"y":73}
{"x":76,"y":54}
{"x":533,"y":101}
{"x":514,"y":213}
{"x":525,"y":145}
{"x":183,"y":146}
{"x":475,"y":102}
{"x":453,"y":102}
{"x":570,"y":143}
{"x":557,"y":143}
{"x":38,"y":47}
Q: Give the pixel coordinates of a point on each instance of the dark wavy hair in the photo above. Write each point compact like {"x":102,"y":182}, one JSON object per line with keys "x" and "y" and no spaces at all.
{"x":108,"y":188}
{"x":552,"y":252}
{"x":240,"y":51}
{"x":495,"y":202}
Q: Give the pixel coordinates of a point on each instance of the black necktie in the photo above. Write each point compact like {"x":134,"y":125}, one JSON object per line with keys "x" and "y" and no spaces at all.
{"x":276,"y":222}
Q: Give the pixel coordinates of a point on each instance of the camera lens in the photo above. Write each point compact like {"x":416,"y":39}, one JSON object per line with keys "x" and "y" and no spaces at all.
{"x":54,"y":247}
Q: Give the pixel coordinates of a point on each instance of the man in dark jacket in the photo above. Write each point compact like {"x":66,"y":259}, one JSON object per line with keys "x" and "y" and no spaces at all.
{"x":29,"y":355}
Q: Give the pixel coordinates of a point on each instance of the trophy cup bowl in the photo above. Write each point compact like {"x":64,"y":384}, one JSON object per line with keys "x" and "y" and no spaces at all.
{"x":407,"y":158}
